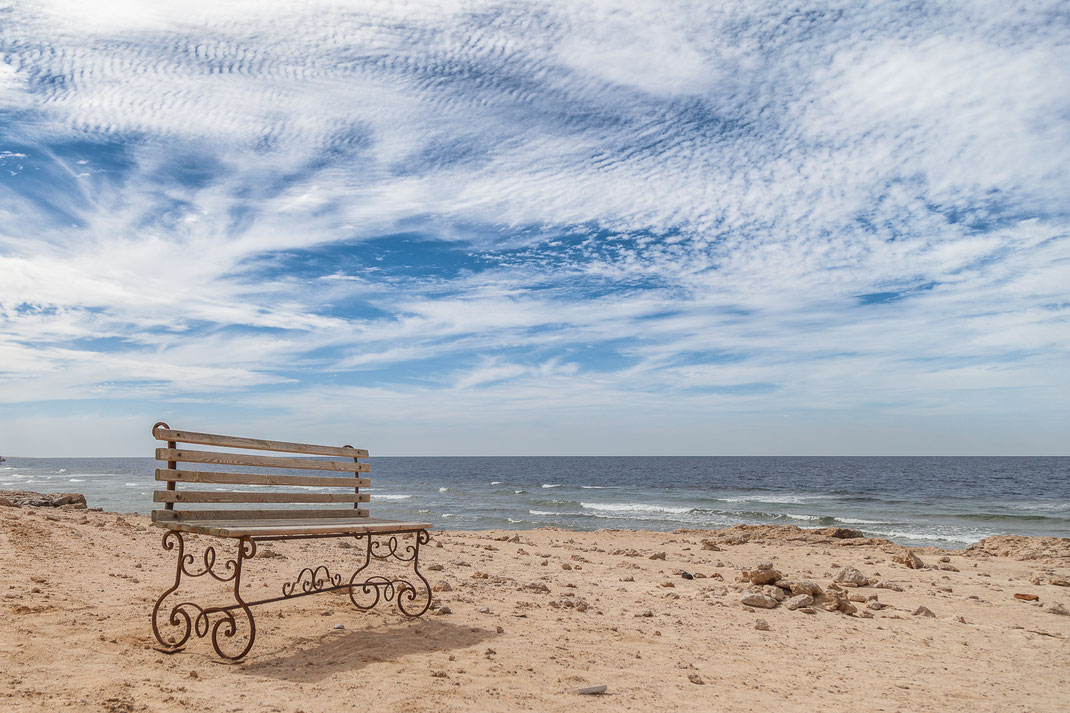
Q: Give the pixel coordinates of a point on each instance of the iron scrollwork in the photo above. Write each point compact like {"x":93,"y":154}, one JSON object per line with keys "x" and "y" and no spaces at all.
{"x":317,"y":580}
{"x":386,"y":589}
{"x":189,"y":618}
{"x":227,"y":625}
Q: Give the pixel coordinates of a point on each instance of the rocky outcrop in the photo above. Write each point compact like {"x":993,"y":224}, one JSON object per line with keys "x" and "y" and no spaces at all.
{"x":1055,"y":550}
{"x":26,"y":498}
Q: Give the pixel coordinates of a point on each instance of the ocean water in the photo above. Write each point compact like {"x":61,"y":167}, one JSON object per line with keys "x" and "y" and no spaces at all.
{"x":949,"y":502}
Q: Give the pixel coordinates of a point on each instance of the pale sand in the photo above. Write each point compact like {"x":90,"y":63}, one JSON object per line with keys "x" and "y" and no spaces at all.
{"x":77,"y":637}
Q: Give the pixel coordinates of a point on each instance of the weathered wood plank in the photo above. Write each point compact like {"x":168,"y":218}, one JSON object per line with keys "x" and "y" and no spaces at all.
{"x":255,"y":528}
{"x":189,"y":456}
{"x":292,"y":514}
{"x":259,"y":444}
{"x":208,"y":476}
{"x":209,"y":496}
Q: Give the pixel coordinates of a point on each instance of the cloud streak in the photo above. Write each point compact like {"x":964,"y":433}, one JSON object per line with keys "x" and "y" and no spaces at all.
{"x":583,"y":220}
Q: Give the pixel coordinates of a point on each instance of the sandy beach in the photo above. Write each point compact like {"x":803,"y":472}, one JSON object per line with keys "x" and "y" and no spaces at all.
{"x":534,"y":615}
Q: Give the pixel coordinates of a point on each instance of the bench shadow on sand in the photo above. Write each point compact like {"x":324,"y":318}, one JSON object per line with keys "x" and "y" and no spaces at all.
{"x":339,"y":651}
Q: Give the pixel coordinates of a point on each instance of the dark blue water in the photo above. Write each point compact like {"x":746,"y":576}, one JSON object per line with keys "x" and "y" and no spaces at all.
{"x":918,"y":501}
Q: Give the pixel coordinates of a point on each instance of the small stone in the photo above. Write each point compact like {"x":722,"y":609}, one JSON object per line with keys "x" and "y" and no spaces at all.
{"x":1027,"y":597}
{"x":484,"y":610}
{"x":1057,"y":608}
{"x":645,"y":613}
{"x":762,"y":576}
{"x":442,"y":586}
{"x":592,"y":690}
{"x":444,"y":609}
{"x":657,"y":556}
{"x":945,"y":558}
{"x":435,"y":567}
{"x":908,"y":559}
{"x":537,"y":586}
{"x":667,"y":584}
{"x":193,"y":674}
{"x":798,"y":601}
{"x":925,"y":612}
{"x":439,"y":674}
{"x":687,"y":575}
{"x":339,"y":626}
{"x":761,"y":625}
{"x":874,"y":605}
{"x":325,"y":612}
{"x":566,"y":566}
{"x":757,"y":599}
{"x":807,"y":610}
{"x":500,"y":630}
{"x":627,"y":578}
{"x":696,"y":679}
{"x":850,"y":575}
{"x":800,"y":586}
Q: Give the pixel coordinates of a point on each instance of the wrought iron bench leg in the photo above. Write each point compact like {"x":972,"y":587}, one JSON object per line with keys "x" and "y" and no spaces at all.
{"x":385,"y":588}
{"x":180,"y":614}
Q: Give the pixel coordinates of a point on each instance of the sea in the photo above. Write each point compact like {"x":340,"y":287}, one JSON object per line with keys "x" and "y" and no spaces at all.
{"x":917,"y":501}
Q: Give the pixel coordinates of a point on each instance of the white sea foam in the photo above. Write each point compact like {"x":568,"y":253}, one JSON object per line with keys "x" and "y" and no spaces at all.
{"x":442,"y":490}
{"x":858,"y":521}
{"x":131,"y":485}
{"x":518,"y":492}
{"x":495,"y":482}
{"x":782,"y":499}
{"x":933,"y":537}
{"x":798,"y":517}
{"x":636,"y":507}
{"x":513,"y":520}
{"x":76,"y":480}
{"x":376,"y":496}
{"x":551,"y":485}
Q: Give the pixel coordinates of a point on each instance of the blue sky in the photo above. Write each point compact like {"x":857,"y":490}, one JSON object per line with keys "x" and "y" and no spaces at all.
{"x":537,"y":228}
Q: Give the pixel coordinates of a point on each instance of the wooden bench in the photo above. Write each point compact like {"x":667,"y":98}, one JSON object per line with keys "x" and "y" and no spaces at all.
{"x":248,"y":526}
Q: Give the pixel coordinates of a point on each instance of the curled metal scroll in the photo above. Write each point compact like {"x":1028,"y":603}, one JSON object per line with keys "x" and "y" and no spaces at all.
{"x":386,"y":589}
{"x":199,"y":623}
{"x":317,"y":579}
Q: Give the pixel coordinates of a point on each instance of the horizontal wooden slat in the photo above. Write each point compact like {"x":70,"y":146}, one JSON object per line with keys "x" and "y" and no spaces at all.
{"x":188,"y":456}
{"x":208,"y":476}
{"x":248,"y":496}
{"x":294,"y":514}
{"x":254,"y":528}
{"x":259,"y":444}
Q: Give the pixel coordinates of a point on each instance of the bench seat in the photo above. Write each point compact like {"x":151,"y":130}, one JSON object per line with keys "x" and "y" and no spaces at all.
{"x":303,"y":526}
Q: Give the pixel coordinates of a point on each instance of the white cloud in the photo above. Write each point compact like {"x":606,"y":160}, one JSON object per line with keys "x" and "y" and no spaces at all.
{"x":685,"y":205}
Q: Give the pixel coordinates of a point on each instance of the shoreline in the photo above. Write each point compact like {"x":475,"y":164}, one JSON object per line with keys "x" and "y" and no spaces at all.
{"x":915,"y":541}
{"x":534,"y":615}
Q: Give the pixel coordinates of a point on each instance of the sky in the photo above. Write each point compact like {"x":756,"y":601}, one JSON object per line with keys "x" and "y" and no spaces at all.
{"x":538,"y":228}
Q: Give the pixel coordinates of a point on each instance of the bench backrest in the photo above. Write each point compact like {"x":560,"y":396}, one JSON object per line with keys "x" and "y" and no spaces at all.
{"x":341,"y":470}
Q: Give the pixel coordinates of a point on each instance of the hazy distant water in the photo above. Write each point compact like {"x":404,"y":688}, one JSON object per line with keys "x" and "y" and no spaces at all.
{"x":943,"y":501}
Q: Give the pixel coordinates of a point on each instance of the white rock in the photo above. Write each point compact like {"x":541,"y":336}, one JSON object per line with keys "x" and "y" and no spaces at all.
{"x":757,"y":599}
{"x":850,"y":575}
{"x":798,"y":601}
